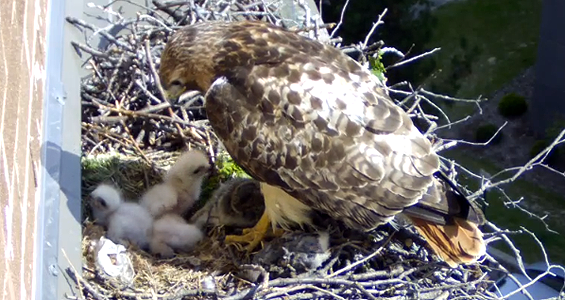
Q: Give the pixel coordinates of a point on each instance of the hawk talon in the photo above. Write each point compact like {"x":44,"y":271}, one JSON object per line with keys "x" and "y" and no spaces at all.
{"x":252,"y":236}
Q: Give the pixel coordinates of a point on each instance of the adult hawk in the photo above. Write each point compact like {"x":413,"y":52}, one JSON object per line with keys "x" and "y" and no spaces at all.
{"x":319,"y":132}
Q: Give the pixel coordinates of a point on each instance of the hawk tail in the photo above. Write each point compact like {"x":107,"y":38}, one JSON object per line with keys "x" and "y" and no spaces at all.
{"x":458,"y":243}
{"x":449,"y":222}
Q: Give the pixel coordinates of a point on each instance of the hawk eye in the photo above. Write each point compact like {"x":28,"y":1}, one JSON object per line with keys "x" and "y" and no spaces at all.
{"x":176,"y":83}
{"x":198,"y":170}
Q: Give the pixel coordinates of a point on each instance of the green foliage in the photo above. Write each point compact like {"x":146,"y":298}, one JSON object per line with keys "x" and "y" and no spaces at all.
{"x":512,"y":105}
{"x":485,"y":132}
{"x":377,"y":67}
{"x":226,"y":169}
{"x":539,"y":146}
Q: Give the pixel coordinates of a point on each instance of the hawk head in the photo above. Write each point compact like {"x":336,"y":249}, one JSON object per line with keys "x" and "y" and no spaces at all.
{"x":187,"y":62}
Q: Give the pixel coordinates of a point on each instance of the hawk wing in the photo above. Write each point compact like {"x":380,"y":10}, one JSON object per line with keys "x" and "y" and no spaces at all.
{"x":310,"y":120}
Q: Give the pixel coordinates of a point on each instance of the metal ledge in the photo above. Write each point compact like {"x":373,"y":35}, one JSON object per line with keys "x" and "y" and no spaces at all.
{"x":59,"y":212}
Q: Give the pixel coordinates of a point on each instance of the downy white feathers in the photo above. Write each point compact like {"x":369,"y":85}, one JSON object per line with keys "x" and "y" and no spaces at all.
{"x":126,"y":221}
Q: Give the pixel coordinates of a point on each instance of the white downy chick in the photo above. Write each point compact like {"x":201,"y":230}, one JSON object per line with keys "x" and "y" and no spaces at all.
{"x":172,"y":233}
{"x":159,"y":199}
{"x":126,"y":221}
{"x":186,"y":177}
{"x":104,"y":201}
{"x":181,"y":185}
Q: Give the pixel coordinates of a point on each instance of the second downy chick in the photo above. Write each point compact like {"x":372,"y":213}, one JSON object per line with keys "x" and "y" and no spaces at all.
{"x":172,"y":233}
{"x":125,"y":221}
{"x":238,"y":202}
{"x":181,"y":185}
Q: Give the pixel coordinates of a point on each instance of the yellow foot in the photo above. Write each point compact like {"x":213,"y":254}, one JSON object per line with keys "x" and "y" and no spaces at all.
{"x":252,"y":236}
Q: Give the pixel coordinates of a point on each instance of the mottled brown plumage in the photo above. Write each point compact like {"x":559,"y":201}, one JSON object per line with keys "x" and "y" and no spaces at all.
{"x":303,"y":117}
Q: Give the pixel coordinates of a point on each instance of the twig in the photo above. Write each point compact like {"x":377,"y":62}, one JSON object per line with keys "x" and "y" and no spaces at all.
{"x":86,"y":285}
{"x":334,"y":31}
{"x":353,"y":265}
{"x":403,"y":62}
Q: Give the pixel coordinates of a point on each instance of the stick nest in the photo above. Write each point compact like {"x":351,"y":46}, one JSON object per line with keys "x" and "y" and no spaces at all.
{"x":125,"y":114}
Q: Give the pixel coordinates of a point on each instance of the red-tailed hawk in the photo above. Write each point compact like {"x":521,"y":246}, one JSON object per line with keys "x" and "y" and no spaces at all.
{"x":319,"y":132}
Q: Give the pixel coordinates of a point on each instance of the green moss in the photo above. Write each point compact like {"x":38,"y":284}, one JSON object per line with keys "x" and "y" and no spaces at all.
{"x":512,"y":105}
{"x":485,"y":132}
{"x":131,"y":175}
{"x":226,"y":169}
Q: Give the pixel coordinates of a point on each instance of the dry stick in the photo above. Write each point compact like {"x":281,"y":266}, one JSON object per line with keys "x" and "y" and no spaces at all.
{"x":81,"y":282}
{"x":156,"y":76}
{"x":87,"y":286}
{"x":178,"y":295}
{"x":481,"y":144}
{"x":552,"y":169}
{"x":549,"y":267}
{"x":375,"y":25}
{"x":315,"y":27}
{"x":74,"y":271}
{"x":285,"y":292}
{"x":335,"y":296}
{"x":108,"y":135}
{"x":443,"y":97}
{"x":158,"y":107}
{"x":210,"y":147}
{"x":103,"y":33}
{"x":173,"y":13}
{"x":340,"y":19}
{"x":349,"y":267}
{"x":149,"y":94}
{"x":403,"y":62}
{"x":136,"y":145}
{"x":333,"y":281}
{"x":94,"y":52}
{"x":132,"y":139}
{"x":529,"y":165}
{"x":515,"y":204}
{"x":514,"y":249}
{"x":157,"y":79}
{"x":139,"y":114}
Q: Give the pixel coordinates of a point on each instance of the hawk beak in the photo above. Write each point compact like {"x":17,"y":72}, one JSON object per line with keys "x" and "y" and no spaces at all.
{"x":173,"y":97}
{"x":170,"y":99}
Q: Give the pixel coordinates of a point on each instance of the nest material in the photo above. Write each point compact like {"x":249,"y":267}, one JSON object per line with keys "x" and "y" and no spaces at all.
{"x":124,"y":112}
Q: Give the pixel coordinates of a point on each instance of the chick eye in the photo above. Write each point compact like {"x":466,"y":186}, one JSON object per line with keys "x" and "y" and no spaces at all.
{"x":176,"y":83}
{"x":197,"y":170}
{"x":100,"y":202}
